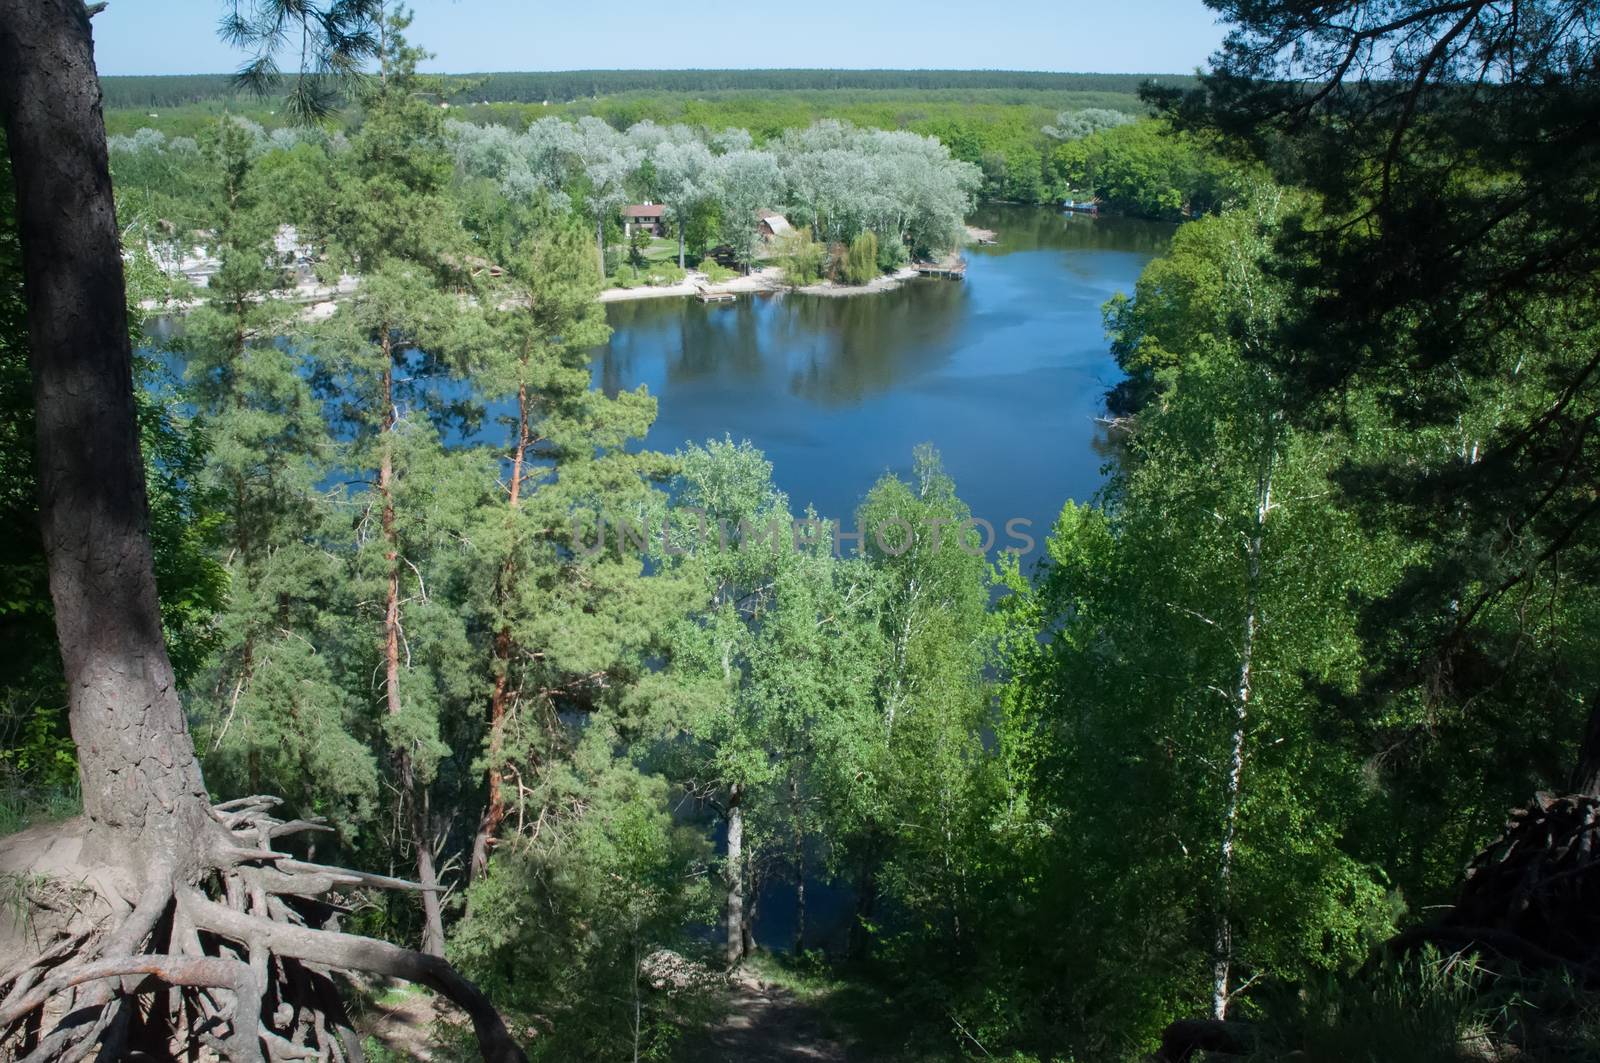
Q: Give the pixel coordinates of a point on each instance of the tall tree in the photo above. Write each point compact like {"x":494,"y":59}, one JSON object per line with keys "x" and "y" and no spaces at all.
{"x":748,"y":181}
{"x":683,"y":170}
{"x":273,"y":717}
{"x":769,"y":676}
{"x":570,"y":624}
{"x":152,"y":833}
{"x":607,"y":161}
{"x":392,"y":220}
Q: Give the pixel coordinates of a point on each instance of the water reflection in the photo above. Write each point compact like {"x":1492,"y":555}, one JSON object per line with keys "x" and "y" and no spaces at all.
{"x":1005,"y":372}
{"x":826,"y":350}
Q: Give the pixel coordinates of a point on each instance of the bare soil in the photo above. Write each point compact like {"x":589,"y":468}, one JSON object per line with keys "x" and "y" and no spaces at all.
{"x":767,"y":1024}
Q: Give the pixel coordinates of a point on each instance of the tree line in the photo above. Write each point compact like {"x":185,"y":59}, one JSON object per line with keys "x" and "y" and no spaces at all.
{"x":147,"y":91}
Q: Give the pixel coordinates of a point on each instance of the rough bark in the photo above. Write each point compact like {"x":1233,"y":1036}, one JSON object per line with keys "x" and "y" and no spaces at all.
{"x":494,"y":812}
{"x":140,"y":777}
{"x":405,"y":770}
{"x":734,"y":948}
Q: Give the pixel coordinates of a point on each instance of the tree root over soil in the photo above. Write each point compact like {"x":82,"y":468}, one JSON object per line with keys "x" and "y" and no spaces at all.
{"x":248,"y":975}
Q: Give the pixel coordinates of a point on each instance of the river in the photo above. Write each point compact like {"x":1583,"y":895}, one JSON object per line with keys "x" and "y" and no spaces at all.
{"x":1005,"y":372}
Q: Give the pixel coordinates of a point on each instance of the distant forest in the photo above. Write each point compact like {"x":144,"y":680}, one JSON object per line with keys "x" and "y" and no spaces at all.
{"x":566,"y":85}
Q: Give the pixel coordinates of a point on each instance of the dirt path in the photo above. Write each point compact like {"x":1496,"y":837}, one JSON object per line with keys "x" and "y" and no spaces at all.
{"x":768,"y":1024}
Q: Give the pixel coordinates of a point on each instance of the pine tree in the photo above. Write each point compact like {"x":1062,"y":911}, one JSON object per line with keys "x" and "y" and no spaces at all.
{"x":273,"y":718}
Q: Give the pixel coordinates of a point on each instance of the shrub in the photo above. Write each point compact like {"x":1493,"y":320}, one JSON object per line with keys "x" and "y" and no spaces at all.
{"x":665,"y":273}
{"x":892,"y":255}
{"x":714,"y":272}
{"x":861,"y":261}
{"x":800,"y":257}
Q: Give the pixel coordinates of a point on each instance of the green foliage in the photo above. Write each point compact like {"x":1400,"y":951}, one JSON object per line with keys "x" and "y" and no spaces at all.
{"x":800,"y":257}
{"x":861,"y":261}
{"x":1144,"y":170}
{"x":714,"y":271}
{"x":558,"y":929}
{"x":1433,"y":1008}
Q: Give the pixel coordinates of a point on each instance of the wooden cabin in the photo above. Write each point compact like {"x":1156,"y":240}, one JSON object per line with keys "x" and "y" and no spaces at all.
{"x":771,"y":225}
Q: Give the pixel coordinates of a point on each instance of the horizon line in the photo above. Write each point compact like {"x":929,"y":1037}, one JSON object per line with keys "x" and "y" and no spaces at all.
{"x":740,"y":70}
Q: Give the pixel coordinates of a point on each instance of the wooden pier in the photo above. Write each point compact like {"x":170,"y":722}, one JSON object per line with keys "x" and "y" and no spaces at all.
{"x":952,"y":271}
{"x":707,"y":296}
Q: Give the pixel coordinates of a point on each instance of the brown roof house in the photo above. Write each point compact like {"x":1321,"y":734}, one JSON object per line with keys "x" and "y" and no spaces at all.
{"x":771,"y":225}
{"x":651,"y":217}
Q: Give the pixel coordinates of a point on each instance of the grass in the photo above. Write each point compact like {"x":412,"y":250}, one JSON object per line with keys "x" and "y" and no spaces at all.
{"x":24,"y":807}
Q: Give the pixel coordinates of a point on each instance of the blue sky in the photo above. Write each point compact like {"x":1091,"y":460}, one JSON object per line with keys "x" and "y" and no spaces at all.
{"x":1125,"y":36}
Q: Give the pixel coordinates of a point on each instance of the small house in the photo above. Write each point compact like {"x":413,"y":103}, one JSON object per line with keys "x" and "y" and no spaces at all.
{"x":651,"y":217}
{"x":771,"y":225}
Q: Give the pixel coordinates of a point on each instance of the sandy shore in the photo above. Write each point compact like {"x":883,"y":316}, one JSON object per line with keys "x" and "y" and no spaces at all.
{"x":767,"y":279}
{"x":320,"y":300}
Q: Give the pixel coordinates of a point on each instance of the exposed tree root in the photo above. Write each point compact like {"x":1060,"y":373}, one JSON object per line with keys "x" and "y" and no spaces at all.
{"x":247,"y":972}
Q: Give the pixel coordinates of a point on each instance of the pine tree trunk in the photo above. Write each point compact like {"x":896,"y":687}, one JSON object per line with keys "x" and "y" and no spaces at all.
{"x":494,"y":812}
{"x":405,"y":770}
{"x":734,"y":950}
{"x":142,"y":788}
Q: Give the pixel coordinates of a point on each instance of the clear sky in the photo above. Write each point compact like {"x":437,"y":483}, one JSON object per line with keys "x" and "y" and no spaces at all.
{"x":1120,"y":36}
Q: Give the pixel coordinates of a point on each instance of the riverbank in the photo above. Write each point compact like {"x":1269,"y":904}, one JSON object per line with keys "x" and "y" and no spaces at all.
{"x":762,"y":281}
{"x":320,"y":300}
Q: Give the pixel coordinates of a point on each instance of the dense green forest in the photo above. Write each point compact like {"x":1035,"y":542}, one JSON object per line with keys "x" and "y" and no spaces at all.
{"x":1206,"y":775}
{"x":565,"y":86}
{"x":1010,"y":126}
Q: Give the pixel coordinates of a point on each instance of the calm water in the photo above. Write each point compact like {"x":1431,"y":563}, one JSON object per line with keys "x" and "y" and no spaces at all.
{"x":1005,"y":372}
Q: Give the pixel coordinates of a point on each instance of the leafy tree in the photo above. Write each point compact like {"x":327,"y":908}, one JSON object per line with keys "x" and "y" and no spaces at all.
{"x":916,"y":835}
{"x":1075,"y":125}
{"x":1446,"y":272}
{"x":565,"y":922}
{"x":607,"y":161}
{"x":748,"y":181}
{"x":1179,"y":648}
{"x":769,"y":681}
{"x":861,"y":261}
{"x":800,"y":257}
{"x":684,"y":182}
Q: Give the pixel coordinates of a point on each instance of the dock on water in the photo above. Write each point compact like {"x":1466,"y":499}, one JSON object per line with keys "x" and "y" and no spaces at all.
{"x":705,"y":295}
{"x":950,"y":270}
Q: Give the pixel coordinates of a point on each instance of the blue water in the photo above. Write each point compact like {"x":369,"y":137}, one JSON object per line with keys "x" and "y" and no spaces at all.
{"x":1005,"y":372}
